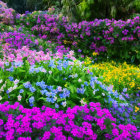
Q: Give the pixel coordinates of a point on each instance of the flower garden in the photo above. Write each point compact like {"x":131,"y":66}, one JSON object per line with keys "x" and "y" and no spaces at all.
{"x":68,"y":81}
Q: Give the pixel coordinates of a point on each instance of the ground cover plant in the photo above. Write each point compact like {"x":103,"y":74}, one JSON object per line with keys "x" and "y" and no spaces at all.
{"x":63,"y":80}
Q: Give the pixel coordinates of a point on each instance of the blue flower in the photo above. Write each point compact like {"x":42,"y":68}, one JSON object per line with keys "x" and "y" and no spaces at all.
{"x":51,"y":64}
{"x":27,"y":85}
{"x":31,"y":99}
{"x":32,"y":89}
{"x":31,"y":105}
{"x":7,"y":91}
{"x":56,"y":105}
{"x":80,"y":90}
{"x":121,"y":97}
{"x":37,"y":83}
{"x":48,"y":99}
{"x":43,"y":86}
{"x":126,"y":114}
{"x":37,"y":70}
{"x":7,"y":63}
{"x":92,"y":84}
{"x":125,"y":90}
{"x":31,"y":70}
{"x":93,"y":78}
{"x":66,"y":92}
{"x":11,"y":78}
{"x":11,"y":69}
{"x":52,"y":100}
{"x":42,"y":92}
{"x":115,"y":104}
{"x":18,"y":64}
{"x":61,"y":96}
{"x":48,"y":94}
{"x":50,"y":87}
{"x":21,"y":91}
{"x":120,"y":110}
{"x":53,"y":94}
{"x":65,"y":58}
{"x":65,"y":64}
{"x":59,"y":67}
{"x":86,"y":83}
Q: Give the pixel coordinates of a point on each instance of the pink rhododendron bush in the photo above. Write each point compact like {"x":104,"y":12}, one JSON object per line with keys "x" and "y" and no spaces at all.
{"x":6,"y":14}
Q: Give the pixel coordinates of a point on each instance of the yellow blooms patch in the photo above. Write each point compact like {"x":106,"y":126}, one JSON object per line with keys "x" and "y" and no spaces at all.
{"x":119,"y":75}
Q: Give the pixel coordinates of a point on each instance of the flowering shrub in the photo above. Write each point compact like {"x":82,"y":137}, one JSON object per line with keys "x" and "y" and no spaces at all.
{"x":102,"y":36}
{"x":88,"y":122}
{"x":98,"y":35}
{"x":59,"y":84}
{"x":6,"y":14}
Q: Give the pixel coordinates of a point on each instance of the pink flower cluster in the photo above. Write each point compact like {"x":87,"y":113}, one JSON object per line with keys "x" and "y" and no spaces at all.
{"x":45,"y":123}
{"x":32,"y":55}
{"x":6,"y":14}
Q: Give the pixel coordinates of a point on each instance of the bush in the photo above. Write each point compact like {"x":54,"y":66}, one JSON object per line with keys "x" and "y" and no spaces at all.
{"x":87,"y":122}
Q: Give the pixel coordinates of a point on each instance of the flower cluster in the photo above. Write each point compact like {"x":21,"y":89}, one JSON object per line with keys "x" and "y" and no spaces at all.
{"x":55,"y":125}
{"x":6,"y":14}
{"x":120,"y":75}
{"x":97,"y":35}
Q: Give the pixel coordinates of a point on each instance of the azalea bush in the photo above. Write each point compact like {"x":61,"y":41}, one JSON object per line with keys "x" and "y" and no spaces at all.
{"x":102,"y":36}
{"x":6,"y":14}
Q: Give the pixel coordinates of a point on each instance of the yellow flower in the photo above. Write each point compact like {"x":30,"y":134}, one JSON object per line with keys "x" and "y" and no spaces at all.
{"x":94,"y":53}
{"x":136,"y":109}
{"x":65,"y":41}
{"x":65,"y":85}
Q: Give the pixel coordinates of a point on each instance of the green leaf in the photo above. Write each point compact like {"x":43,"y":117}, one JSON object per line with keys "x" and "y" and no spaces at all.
{"x":97,"y":97}
{"x":41,"y":98}
{"x":60,"y":100}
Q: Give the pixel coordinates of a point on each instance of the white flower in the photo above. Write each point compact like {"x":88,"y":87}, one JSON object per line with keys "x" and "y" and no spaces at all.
{"x":64,"y":104}
{"x":43,"y":70}
{"x":103,"y":94}
{"x":55,"y":98}
{"x":19,"y":97}
{"x":1,"y":81}
{"x":50,"y":72}
{"x":10,"y":89}
{"x":1,"y":89}
{"x":94,"y":92}
{"x":16,"y":81}
{"x":76,"y":75}
{"x":0,"y":97}
{"x":72,"y":76}
{"x":82,"y":102}
{"x":14,"y":87}
{"x":79,"y":80}
{"x":4,"y":85}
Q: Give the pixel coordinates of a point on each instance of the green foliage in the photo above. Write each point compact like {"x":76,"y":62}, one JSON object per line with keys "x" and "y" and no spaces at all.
{"x":78,"y":10}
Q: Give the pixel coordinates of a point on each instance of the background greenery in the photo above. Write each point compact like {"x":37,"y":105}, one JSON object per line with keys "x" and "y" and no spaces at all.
{"x":78,"y":10}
